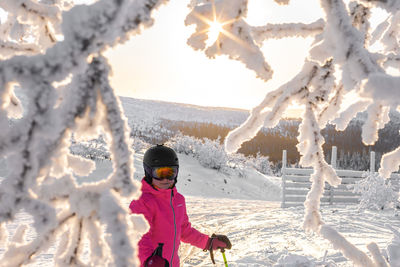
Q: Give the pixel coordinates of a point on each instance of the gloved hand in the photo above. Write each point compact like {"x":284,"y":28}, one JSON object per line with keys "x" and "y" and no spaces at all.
{"x":218,"y":241}
{"x":156,"y":259}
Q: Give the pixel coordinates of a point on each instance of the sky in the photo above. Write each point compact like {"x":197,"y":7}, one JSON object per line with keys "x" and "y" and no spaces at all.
{"x":159,"y":65}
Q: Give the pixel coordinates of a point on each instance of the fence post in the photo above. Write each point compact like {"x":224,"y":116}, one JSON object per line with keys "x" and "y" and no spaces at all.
{"x":284,"y":159}
{"x":372,"y":162}
{"x":333,"y":164}
{"x":334,"y":157}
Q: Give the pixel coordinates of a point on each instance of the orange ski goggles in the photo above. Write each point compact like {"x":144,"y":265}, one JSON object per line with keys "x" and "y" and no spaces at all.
{"x":167,"y":172}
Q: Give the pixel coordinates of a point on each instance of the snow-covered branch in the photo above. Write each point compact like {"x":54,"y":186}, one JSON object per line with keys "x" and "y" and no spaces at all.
{"x":349,"y":250}
{"x":12,"y":48}
{"x":275,"y":31}
{"x":30,"y":24}
{"x":389,"y":5}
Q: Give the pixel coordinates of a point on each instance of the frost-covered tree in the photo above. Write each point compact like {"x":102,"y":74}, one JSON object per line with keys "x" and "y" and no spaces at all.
{"x":376,"y":192}
{"x":211,"y":154}
{"x":152,"y":132}
{"x":341,"y":61}
{"x":93,"y":149}
{"x":52,"y":57}
{"x":262,"y":164}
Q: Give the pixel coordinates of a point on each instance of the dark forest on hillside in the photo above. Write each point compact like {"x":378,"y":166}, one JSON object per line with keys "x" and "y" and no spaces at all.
{"x":352,"y":153}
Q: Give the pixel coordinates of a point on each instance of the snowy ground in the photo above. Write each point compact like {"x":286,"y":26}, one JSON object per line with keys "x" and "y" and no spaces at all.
{"x":247,"y":209}
{"x":262,"y":232}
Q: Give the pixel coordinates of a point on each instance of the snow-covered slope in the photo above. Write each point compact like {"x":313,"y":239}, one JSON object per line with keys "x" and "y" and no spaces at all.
{"x":140,"y":109}
{"x":195,"y":180}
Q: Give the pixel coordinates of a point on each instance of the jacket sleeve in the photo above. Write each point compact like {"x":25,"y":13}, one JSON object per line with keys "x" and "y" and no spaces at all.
{"x":145,"y":244}
{"x":191,"y":235}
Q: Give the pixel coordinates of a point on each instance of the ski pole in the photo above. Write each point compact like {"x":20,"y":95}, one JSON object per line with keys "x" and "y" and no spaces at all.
{"x":223,"y":255}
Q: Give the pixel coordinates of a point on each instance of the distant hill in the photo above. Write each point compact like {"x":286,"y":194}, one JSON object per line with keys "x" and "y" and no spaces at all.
{"x":140,"y":109}
{"x":211,"y":122}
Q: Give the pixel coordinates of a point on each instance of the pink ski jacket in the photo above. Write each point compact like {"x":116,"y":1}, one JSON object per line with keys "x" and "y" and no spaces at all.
{"x":165,"y":211}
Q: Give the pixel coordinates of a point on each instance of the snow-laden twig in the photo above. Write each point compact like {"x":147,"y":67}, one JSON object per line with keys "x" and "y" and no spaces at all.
{"x":389,"y":163}
{"x":392,"y":60}
{"x":388,"y":5}
{"x":73,"y":244}
{"x":97,"y":242}
{"x":377,"y":256}
{"x":310,"y":147}
{"x":36,"y":20}
{"x":349,"y":250}
{"x":118,"y":127}
{"x":345,"y":116}
{"x":19,"y":235}
{"x":11,"y":48}
{"x":117,"y":227}
{"x":360,"y":16}
{"x":378,"y":116}
{"x":332,"y":107}
{"x":277,"y":101}
{"x":17,"y":255}
{"x":284,"y":30}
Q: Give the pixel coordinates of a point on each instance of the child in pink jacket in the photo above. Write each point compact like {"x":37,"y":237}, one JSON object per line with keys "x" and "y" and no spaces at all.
{"x":165,"y":210}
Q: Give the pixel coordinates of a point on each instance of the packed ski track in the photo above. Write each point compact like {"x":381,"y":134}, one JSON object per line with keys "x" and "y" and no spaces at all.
{"x":247,"y":209}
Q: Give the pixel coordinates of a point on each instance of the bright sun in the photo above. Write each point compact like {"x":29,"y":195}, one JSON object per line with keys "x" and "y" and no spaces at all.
{"x":213,"y":32}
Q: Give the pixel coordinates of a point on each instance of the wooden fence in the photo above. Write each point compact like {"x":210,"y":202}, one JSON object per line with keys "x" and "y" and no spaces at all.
{"x":296,"y":183}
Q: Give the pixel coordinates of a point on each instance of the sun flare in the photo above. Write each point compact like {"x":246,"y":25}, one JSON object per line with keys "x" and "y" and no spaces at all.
{"x":213,"y":32}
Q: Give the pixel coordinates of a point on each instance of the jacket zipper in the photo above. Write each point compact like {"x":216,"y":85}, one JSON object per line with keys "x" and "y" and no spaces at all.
{"x":173,"y":212}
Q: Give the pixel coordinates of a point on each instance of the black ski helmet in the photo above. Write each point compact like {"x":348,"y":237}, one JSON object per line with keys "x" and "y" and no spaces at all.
{"x":158,"y":156}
